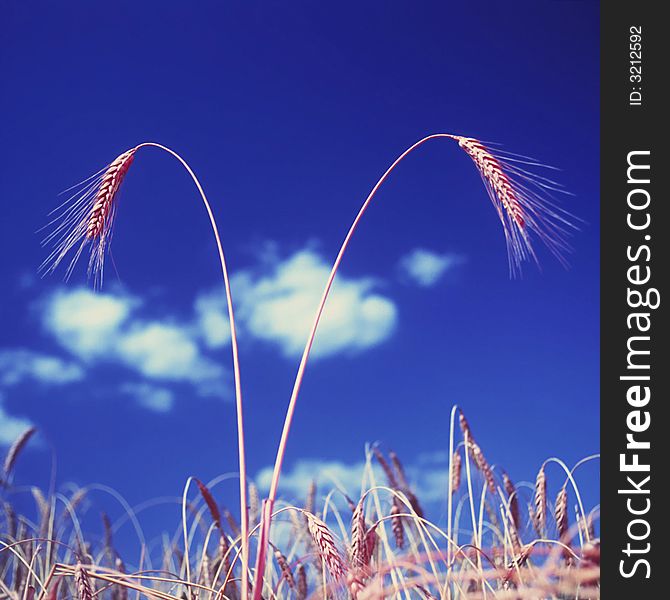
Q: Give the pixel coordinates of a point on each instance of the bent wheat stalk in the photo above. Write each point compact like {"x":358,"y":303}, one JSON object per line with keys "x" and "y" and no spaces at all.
{"x":87,"y":219}
{"x":522,"y":204}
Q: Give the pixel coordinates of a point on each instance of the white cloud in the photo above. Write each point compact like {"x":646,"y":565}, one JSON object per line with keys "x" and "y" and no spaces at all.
{"x":428,"y":476}
{"x":105,"y":327}
{"x":165,"y":351}
{"x":18,"y":365}
{"x":279,"y":307}
{"x":85,"y":322}
{"x":426,"y":268}
{"x":212,"y":319}
{"x":296,"y":481}
{"x":275,"y":303}
{"x":11,"y":427}
{"x":158,"y":399}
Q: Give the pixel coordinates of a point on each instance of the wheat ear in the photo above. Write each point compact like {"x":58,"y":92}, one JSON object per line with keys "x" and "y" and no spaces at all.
{"x":285,"y":568}
{"x":301,"y":582}
{"x":15,"y":449}
{"x":455,"y":471}
{"x":561,"y":513}
{"x":325,"y":543}
{"x":212,"y":506}
{"x":513,"y":500}
{"x":540,"y":502}
{"x":87,"y":218}
{"x":84,"y":589}
{"x":359,"y":547}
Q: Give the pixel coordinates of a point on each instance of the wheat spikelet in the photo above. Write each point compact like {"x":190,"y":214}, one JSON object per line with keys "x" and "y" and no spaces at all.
{"x":413,"y":501}
{"x":211,"y":504}
{"x":310,"y":500}
{"x":87,"y":218}
{"x":491,"y":169}
{"x":483,"y":466}
{"x":561,"y":513}
{"x":284,"y":567}
{"x":44,"y":510}
{"x":325,"y":544}
{"x":77,"y":498}
{"x":455,"y":471}
{"x":83,"y":583}
{"x":540,"y":502}
{"x":523,"y":203}
{"x":396,"y":524}
{"x":371,"y":541}
{"x":254,"y":506}
{"x":513,"y":500}
{"x":105,"y":194}
{"x":301,"y":582}
{"x":359,"y":548}
{"x":10,"y":520}
{"x":232,"y":522}
{"x":399,"y":469}
{"x":15,"y":450}
{"x":107,"y":531}
{"x":390,"y":475}
{"x":465,"y":426}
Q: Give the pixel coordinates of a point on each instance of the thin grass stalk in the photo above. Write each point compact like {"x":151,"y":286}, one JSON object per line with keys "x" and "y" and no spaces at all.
{"x":281,"y":450}
{"x":96,"y":229}
{"x":244,"y":521}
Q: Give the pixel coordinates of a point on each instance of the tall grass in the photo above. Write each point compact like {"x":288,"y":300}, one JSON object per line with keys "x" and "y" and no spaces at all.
{"x":340,"y":547}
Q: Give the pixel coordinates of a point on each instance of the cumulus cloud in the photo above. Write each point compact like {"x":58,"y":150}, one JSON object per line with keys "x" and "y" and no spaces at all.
{"x":106,"y":327}
{"x":19,"y":364}
{"x":87,"y":323}
{"x":11,"y":427}
{"x":275,"y":303}
{"x":165,"y":351}
{"x":426,"y":268}
{"x":278,"y":307}
{"x":296,"y":481}
{"x":212,"y":319}
{"x":155,"y":398}
{"x":428,"y":476}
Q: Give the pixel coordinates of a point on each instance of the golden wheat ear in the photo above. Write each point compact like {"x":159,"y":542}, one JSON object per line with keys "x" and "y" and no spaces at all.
{"x":524,"y":202}
{"x":86,"y":218}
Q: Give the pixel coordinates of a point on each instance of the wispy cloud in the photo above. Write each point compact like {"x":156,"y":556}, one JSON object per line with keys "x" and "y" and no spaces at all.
{"x":152,"y":397}
{"x":425,"y":268}
{"x":19,"y":364}
{"x":277,"y":305}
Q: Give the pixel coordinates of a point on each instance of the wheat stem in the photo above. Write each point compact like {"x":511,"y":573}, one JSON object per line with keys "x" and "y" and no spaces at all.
{"x":510,"y":207}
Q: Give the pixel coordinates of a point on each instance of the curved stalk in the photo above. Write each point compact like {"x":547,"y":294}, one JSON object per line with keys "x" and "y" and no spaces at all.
{"x":266,"y":516}
{"x":244,"y":521}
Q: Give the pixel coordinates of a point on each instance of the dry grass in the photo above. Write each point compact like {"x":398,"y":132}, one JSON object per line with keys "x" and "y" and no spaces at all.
{"x":346,"y":547}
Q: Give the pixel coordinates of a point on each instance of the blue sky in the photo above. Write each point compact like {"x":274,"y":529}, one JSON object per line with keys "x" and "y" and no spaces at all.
{"x":289,"y":113}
